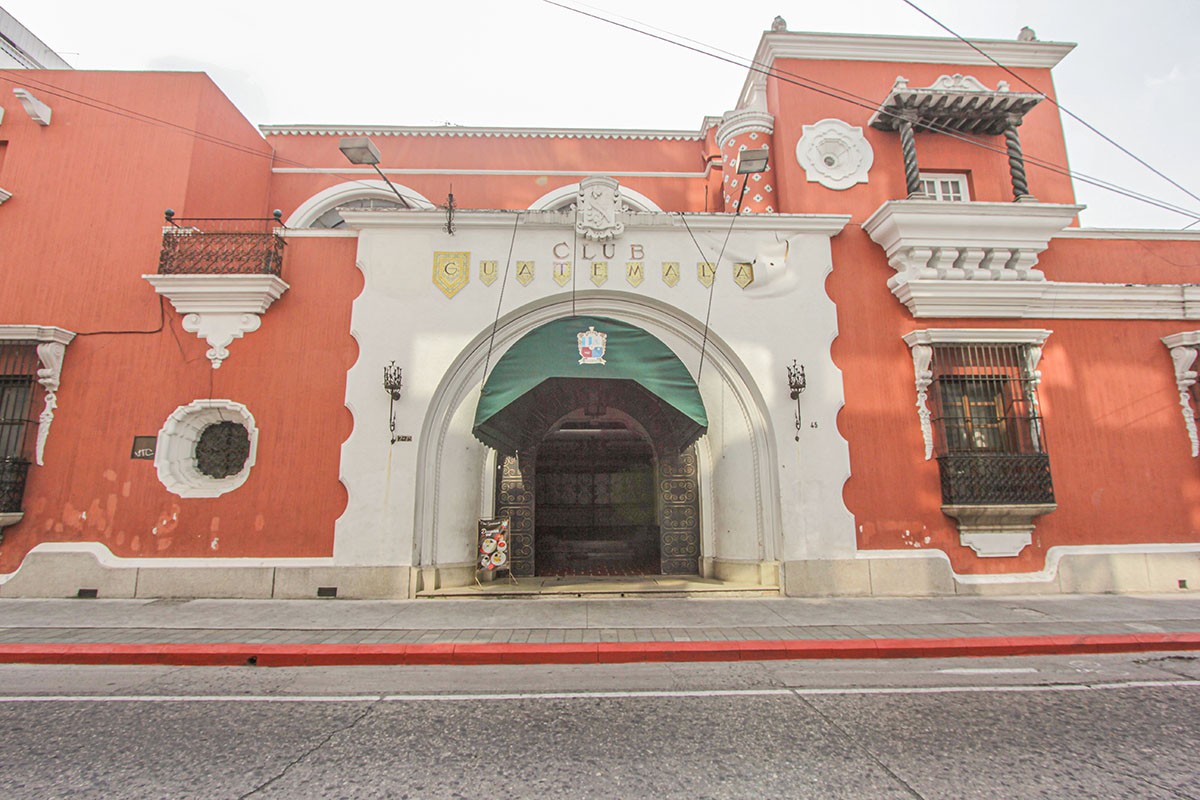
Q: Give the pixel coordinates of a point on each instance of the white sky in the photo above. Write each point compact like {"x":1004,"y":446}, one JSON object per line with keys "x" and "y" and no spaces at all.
{"x":1134,"y":75}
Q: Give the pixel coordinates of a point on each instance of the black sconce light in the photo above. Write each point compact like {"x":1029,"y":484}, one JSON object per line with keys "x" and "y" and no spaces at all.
{"x":797,"y":383}
{"x":393,"y":380}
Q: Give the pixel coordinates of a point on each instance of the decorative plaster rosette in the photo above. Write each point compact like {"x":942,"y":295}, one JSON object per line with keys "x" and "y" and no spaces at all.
{"x":835,"y":154}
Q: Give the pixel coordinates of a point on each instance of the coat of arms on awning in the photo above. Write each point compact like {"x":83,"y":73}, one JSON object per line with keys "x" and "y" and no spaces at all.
{"x":597,"y":207}
{"x":591,"y":346}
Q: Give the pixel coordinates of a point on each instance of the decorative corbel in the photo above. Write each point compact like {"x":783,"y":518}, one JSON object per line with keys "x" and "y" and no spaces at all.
{"x":51,"y":355}
{"x":922,"y":355}
{"x":1184,"y":357}
{"x":38,"y":111}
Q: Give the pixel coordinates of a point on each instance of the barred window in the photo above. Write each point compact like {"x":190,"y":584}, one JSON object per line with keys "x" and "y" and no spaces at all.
{"x":988,"y":427}
{"x":986,"y":399}
{"x":18,"y":367}
{"x":222,"y":449}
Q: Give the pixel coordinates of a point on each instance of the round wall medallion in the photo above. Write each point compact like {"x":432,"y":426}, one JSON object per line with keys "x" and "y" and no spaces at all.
{"x":835,"y":154}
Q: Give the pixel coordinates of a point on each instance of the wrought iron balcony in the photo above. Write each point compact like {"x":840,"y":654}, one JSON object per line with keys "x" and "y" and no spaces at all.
{"x":12,"y":484}
{"x":996,"y":479}
{"x":221,"y":246}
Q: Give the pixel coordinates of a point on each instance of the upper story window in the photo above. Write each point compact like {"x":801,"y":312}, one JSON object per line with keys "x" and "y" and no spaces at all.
{"x":949,"y":186}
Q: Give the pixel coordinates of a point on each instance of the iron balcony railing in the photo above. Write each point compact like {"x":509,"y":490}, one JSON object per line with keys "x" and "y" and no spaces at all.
{"x":12,"y":484}
{"x":221,"y":246}
{"x":996,"y":479}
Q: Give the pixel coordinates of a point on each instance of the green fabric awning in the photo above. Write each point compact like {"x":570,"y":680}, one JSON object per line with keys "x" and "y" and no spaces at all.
{"x":529,"y":379}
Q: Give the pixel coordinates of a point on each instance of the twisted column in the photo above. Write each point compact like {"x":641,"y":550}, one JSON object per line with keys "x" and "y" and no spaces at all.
{"x":908,"y":147}
{"x":1016,"y":163}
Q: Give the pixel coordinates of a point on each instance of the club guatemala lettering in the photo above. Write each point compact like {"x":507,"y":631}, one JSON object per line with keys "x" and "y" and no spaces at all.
{"x":452,"y":270}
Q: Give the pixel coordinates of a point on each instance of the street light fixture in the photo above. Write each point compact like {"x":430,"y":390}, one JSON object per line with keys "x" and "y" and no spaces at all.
{"x":361,"y":150}
{"x":749,"y":162}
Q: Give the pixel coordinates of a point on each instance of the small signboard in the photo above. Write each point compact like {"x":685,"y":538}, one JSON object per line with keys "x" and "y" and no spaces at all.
{"x":491,"y":556}
{"x":143,"y":447}
{"x":493,"y":544}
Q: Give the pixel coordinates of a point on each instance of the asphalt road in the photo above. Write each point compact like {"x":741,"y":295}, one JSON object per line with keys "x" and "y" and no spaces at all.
{"x":1102,"y":727}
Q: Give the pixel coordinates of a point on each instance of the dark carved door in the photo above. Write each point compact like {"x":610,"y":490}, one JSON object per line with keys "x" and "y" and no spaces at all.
{"x":515,"y":501}
{"x":679,"y":490}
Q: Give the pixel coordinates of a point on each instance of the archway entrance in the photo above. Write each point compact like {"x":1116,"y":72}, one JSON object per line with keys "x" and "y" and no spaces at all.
{"x":597,"y":474}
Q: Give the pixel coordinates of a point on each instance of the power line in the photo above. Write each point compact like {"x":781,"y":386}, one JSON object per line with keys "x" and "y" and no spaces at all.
{"x":19,"y":76}
{"x":1056,"y":104}
{"x":849,"y":97}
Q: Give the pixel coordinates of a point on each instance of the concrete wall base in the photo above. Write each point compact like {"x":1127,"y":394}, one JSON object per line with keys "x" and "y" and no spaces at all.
{"x":1072,"y":573}
{"x":66,"y":574}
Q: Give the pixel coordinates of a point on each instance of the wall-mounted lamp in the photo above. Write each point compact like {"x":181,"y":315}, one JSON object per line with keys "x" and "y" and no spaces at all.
{"x":393,"y":381}
{"x":749,"y":162}
{"x":361,"y":150}
{"x":797,"y":383}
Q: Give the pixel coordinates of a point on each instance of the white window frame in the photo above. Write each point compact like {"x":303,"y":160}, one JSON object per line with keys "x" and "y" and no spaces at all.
{"x":938,"y":179}
{"x":175,"y":451}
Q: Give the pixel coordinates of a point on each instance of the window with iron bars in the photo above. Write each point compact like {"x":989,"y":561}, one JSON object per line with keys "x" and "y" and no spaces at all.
{"x":18,"y":367}
{"x":991,"y":449}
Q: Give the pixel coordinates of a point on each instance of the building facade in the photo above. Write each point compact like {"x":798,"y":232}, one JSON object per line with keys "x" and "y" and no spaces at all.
{"x":847,"y":342}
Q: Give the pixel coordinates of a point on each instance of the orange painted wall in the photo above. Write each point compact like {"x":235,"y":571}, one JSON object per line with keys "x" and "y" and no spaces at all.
{"x":1119,"y":452}
{"x":581,"y":156}
{"x":795,"y":107}
{"x":83,"y":225}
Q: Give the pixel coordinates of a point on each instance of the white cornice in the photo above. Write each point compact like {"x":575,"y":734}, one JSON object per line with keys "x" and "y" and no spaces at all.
{"x":826,"y":224}
{"x":936,"y":223}
{"x":976,"y":336}
{"x":1048,"y":300}
{"x":1185,"y":339}
{"x":35,"y":333}
{"x":489,"y":133}
{"x":1148,"y":234}
{"x":906,"y":49}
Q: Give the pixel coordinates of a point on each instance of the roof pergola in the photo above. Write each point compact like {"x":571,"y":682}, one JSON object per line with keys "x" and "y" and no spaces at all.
{"x":958,"y":103}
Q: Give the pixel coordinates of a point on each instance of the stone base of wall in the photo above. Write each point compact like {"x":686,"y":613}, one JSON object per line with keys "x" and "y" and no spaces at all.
{"x":1068,"y":573}
{"x":65,"y":571}
{"x":66,"y":574}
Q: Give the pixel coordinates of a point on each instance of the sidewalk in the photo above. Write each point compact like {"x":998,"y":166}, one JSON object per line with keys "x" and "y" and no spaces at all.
{"x":492,"y":631}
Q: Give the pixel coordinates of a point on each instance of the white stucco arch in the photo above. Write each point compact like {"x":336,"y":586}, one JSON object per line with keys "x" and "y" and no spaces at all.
{"x":746,"y":467}
{"x":631,"y":197}
{"x":312,"y":208}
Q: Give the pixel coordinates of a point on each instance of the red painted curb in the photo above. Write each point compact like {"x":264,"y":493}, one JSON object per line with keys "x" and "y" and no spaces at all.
{"x":307,"y":655}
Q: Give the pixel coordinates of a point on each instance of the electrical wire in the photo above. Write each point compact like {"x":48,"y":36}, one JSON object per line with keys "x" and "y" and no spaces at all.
{"x":849,"y":97}
{"x":500,"y":302}
{"x":53,"y":90}
{"x":1054,"y":102}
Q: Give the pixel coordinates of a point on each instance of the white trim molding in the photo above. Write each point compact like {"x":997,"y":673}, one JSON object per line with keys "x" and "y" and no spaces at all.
{"x":907,"y":49}
{"x":1184,"y":349}
{"x":307,"y":212}
{"x":51,"y":348}
{"x":631,"y":200}
{"x":835,"y":154}
{"x":219,"y":308}
{"x":175,"y":451}
{"x":486,"y":133}
{"x":1048,"y":299}
{"x":735,"y":123}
